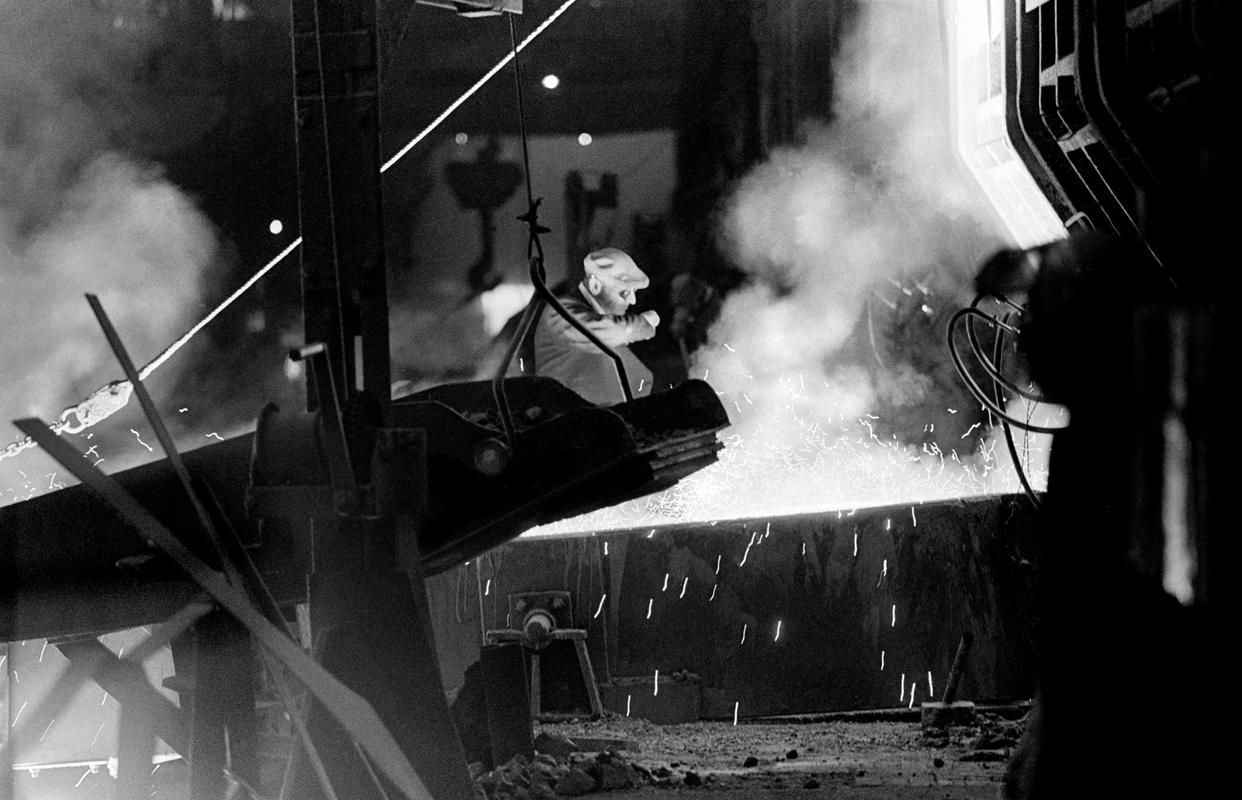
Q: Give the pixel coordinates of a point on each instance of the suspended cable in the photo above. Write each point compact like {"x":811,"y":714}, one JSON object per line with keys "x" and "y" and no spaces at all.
{"x":435,"y":123}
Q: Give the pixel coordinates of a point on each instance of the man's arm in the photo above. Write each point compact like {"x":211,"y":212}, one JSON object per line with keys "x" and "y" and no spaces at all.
{"x":613,"y":331}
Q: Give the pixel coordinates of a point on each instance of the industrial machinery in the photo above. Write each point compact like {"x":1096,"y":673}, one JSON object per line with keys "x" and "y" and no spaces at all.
{"x":341,"y":509}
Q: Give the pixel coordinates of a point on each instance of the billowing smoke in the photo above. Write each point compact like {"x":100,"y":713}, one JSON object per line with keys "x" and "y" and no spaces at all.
{"x":860,"y":241}
{"x":78,"y":215}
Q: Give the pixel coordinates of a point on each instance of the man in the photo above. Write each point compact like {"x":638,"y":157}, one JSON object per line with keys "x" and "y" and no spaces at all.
{"x":601,"y":302}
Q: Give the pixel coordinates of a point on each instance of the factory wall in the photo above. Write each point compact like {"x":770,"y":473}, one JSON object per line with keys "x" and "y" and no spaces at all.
{"x":800,"y":614}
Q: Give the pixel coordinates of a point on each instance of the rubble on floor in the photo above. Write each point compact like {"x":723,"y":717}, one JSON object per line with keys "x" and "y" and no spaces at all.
{"x":616,"y":753}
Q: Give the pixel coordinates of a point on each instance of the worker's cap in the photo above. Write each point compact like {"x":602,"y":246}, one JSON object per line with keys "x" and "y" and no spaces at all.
{"x":616,"y":268}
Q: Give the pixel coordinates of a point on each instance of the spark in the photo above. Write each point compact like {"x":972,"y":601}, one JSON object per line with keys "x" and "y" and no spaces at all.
{"x":487,"y":588}
{"x":744,"y":627}
{"x":902,"y":699}
{"x":101,"y":727}
{"x":913,"y":518}
{"x":649,"y":535}
{"x":216,"y":435}
{"x":605,"y":548}
{"x":970,"y":429}
{"x":641,"y":381}
{"x":600,"y":610}
{"x":952,"y":410}
{"x":684,"y":582}
{"x":884,"y":568}
{"x":888,"y":524}
{"x":628,"y":698}
{"x":487,"y":76}
{"x":856,"y":544}
{"x":881,"y":661}
{"x":42,"y":650}
{"x":768,"y":531}
{"x":649,"y":604}
{"x":913,"y":688}
{"x":105,"y":698}
{"x":84,"y":774}
{"x":718,"y":563}
{"x":150,"y":449}
{"x":894,"y":624}
{"x":48,"y":728}
{"x":930,"y":690}
{"x":182,"y":410}
{"x":665,"y":589}
{"x":730,"y":349}
{"x":655,"y":684}
{"x":777,"y":637}
{"x":13,"y":724}
{"x":713,"y":597}
{"x":735,"y":705}
{"x":855,"y":551}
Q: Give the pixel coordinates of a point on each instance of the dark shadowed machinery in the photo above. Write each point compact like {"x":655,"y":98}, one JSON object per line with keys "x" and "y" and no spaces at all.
{"x":339,"y":510}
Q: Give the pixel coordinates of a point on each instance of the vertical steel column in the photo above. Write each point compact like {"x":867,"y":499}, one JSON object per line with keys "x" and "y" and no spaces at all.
{"x":336,"y":101}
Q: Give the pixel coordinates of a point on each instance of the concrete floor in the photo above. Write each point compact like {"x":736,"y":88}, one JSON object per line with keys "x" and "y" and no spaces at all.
{"x":861,"y":760}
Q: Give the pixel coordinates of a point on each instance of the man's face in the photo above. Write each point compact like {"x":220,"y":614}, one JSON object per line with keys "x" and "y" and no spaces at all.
{"x":615,"y":296}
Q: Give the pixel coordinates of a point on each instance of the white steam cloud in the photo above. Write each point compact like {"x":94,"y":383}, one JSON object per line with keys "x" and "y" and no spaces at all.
{"x":832,"y":363}
{"x":78,"y":215}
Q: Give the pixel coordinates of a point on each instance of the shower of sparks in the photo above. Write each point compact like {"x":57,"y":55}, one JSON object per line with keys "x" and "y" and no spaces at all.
{"x":735,"y":705}
{"x":749,"y":545}
{"x":713,"y":597}
{"x":600,"y":609}
{"x":649,"y":604}
{"x":628,"y":698}
{"x":665,"y":589}
{"x":655,"y":684}
{"x":788,"y":461}
{"x":685,"y":581}
{"x":744,"y":627}
{"x":930,"y":690}
{"x":150,"y":449}
{"x":777,"y":637}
